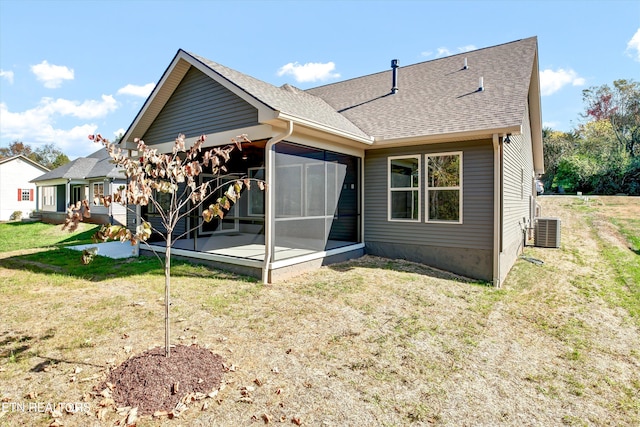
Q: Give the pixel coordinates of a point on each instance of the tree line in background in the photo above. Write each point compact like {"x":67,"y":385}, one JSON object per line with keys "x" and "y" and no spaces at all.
{"x":47,"y":155}
{"x":601,"y":155}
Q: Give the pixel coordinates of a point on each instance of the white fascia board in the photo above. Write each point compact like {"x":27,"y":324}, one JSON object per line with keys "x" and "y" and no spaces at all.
{"x":535,"y":118}
{"x":318,"y":126}
{"x":51,"y":182}
{"x":446,"y":137}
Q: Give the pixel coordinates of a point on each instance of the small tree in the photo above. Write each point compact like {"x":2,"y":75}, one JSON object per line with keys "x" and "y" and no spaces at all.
{"x":173,"y":178}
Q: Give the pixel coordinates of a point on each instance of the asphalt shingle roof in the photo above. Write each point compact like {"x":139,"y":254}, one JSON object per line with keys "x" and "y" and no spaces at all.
{"x":95,"y":165}
{"x":439,"y":96}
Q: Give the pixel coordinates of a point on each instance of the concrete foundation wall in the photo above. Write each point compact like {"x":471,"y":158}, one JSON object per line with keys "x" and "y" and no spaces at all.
{"x":472,"y":263}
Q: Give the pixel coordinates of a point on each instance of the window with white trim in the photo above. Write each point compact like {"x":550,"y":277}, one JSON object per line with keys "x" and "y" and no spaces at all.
{"x":404,"y":188}
{"x":48,"y":196}
{"x":444,"y":187}
{"x":98,"y":193}
{"x":25,"y":195}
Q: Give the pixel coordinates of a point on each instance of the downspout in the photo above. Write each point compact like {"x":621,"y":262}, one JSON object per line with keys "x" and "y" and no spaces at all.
{"x":269,"y":221}
{"x":497,"y":214}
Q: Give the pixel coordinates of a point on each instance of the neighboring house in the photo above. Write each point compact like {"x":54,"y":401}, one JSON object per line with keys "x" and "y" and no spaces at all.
{"x":17,"y":193}
{"x":83,"y":178}
{"x":433,"y":162}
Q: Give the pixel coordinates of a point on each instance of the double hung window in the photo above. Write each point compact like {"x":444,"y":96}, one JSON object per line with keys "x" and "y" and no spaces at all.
{"x":404,"y":188}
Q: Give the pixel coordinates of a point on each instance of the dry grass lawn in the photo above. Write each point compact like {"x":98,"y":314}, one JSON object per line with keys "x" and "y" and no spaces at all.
{"x":363,"y":343}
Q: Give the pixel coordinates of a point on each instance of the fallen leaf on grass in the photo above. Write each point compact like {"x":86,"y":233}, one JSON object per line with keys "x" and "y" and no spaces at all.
{"x":159,"y":414}
{"x":258,"y":382}
{"x":275,"y":370}
{"x":124,"y":410}
{"x":228,"y":368}
{"x":102,"y":413}
{"x":205,"y":406}
{"x":106,"y":402}
{"x":77,"y":370}
{"x":266,"y":418}
{"x":133,"y":416}
{"x":31,"y":395}
{"x":56,"y":414}
{"x":296,"y":421}
{"x":127,"y":348}
{"x":55,"y":423}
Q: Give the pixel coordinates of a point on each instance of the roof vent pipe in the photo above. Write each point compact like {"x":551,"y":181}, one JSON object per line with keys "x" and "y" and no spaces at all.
{"x":465,"y":64}
{"x":481,"y":85}
{"x":394,"y":68}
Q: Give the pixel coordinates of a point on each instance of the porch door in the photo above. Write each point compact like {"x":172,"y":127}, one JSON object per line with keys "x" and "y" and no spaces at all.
{"x":76,"y":194}
{"x":230,"y":223}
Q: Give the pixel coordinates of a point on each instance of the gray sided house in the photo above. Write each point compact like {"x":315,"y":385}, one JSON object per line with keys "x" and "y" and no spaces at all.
{"x":433,"y":162}
{"x":89,"y":178}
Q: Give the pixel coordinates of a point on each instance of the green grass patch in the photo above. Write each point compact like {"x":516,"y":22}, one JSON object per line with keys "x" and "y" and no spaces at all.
{"x":27,"y":235}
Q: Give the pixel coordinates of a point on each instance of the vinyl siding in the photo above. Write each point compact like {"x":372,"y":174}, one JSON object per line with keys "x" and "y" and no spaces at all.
{"x":517,"y":194}
{"x":518,"y":169}
{"x":476,"y":229}
{"x":199,"y":105}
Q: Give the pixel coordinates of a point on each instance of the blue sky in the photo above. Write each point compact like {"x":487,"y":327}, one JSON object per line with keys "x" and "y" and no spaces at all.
{"x":72,"y":68}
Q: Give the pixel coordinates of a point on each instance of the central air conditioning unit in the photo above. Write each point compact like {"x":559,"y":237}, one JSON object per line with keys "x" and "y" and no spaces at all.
{"x":547,"y":233}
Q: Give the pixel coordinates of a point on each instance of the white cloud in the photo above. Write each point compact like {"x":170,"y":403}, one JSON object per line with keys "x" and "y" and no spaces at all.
{"x":39,"y":124}
{"x":89,"y":109}
{"x":133,"y":90}
{"x":426,"y":53}
{"x":467,"y":48}
{"x":119,"y":132}
{"x":7,"y":75}
{"x":633,"y":47}
{"x":443,"y":51}
{"x":551,"y":125}
{"x":309,"y":72}
{"x":52,"y":75}
{"x":552,"y":81}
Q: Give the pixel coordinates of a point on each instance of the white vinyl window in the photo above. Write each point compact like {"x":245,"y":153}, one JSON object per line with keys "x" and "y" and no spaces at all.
{"x":98,"y":193}
{"x":25,"y":195}
{"x":48,"y":196}
{"x":444,"y":187}
{"x":404,"y":188}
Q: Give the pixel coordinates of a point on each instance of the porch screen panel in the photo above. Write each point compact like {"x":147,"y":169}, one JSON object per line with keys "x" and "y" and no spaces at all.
{"x":313,"y":200}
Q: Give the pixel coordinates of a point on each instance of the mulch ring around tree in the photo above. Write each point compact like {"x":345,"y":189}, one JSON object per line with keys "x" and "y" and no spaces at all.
{"x":159,"y":385}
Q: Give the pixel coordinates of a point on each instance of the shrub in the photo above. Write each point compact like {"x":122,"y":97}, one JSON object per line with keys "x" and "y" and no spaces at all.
{"x":16,"y":215}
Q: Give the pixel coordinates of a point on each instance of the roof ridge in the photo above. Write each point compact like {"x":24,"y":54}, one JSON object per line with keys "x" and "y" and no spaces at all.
{"x":423,"y":62}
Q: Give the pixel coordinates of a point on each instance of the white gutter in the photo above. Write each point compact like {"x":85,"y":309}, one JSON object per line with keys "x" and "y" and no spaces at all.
{"x":381,"y":142}
{"x":319,"y":126}
{"x":269,"y":211}
{"x":497,"y":205}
